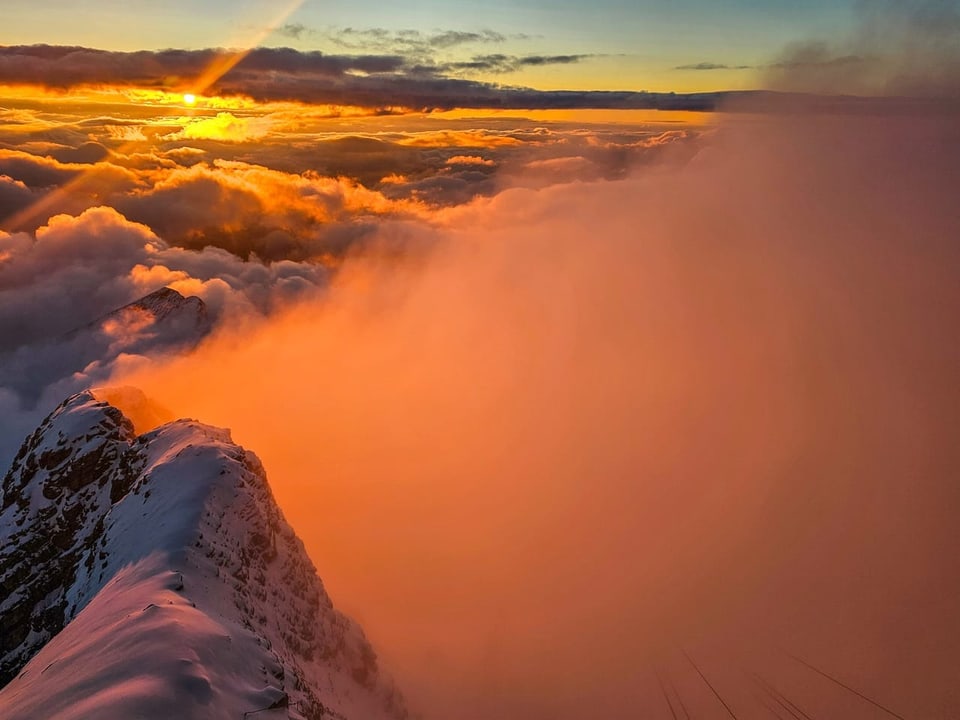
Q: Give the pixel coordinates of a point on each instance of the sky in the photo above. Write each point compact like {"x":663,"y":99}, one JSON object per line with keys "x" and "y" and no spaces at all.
{"x":556,"y":383}
{"x":629,"y":44}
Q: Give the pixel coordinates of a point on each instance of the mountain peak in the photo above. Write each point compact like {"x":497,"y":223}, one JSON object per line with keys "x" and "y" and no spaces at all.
{"x":162,"y":302}
{"x":163,"y":308}
{"x":154,"y":576}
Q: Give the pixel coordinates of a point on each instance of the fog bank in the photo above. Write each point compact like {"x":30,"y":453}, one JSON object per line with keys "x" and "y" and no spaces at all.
{"x":711,"y":407}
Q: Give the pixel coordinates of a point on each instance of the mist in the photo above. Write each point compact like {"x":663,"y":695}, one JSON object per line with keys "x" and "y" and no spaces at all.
{"x":577,"y":431}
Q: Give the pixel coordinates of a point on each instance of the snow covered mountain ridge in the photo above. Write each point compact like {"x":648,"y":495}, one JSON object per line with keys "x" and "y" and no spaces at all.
{"x":162,"y":306}
{"x":154,"y":576}
{"x":37,"y":371}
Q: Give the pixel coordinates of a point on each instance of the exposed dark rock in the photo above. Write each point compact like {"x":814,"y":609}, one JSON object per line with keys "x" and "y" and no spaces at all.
{"x":41,"y":558}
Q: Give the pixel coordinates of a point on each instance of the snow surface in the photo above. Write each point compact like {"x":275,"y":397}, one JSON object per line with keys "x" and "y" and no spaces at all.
{"x":181,"y":589}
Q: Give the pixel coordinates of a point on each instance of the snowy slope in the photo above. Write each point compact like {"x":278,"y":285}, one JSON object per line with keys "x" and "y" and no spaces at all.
{"x":155,"y":577}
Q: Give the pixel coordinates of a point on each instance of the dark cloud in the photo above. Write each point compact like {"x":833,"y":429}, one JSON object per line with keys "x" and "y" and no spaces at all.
{"x":500,"y":63}
{"x":538,"y":60}
{"x":452,"y":38}
{"x":427,"y":92}
{"x":447,"y":188}
{"x":14,"y":196}
{"x":87,"y":153}
{"x":712,"y":66}
{"x":293,"y":30}
{"x":35,"y":171}
{"x":354,"y":39}
{"x":66,"y":67}
{"x":410,"y":42}
{"x":315,"y":63}
{"x":284,"y":74}
{"x":103,"y":120}
{"x":61,"y":187}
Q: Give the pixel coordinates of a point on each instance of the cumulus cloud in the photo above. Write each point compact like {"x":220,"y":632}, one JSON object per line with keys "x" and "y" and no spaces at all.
{"x":35,"y":171}
{"x":75,"y":268}
{"x":58,"y":286}
{"x":252,"y":209}
{"x":78,"y":268}
{"x":284,"y":187}
{"x":14,"y":195}
{"x":58,"y":187}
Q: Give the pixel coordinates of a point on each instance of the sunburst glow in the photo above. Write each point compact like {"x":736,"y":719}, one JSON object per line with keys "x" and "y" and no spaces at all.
{"x":598,"y":355}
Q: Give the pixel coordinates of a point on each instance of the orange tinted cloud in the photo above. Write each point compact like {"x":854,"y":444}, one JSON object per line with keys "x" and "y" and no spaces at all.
{"x":461,"y":138}
{"x":225,"y":126}
{"x":469,"y":160}
{"x":230,"y":197}
{"x":706,"y":406}
{"x":427,"y":153}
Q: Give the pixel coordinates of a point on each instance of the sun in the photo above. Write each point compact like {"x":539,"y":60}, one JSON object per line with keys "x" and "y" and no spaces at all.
{"x":190,"y":98}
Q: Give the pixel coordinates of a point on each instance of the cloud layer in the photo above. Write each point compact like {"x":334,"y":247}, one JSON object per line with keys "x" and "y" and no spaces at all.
{"x":284,"y":184}
{"x":246,"y":211}
{"x":284,"y":74}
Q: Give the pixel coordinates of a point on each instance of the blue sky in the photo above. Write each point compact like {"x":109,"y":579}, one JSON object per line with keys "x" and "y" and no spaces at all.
{"x":638,"y":43}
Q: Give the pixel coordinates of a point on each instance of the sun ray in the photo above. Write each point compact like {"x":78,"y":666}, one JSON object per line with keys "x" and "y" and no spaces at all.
{"x":226,"y":61}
